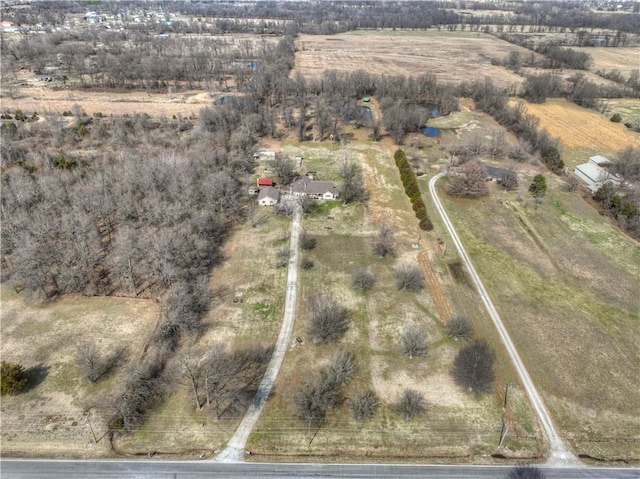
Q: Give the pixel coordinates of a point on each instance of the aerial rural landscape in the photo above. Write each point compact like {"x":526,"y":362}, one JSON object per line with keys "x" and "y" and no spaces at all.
{"x":321,"y":232}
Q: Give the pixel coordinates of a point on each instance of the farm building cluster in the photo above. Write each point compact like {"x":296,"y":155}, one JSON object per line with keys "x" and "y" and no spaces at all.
{"x":270,"y":195}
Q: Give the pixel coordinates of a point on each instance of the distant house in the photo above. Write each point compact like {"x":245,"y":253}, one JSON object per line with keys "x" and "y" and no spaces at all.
{"x":595,"y":173}
{"x":265,"y":155}
{"x":264,"y":182}
{"x":324,"y":190}
{"x":268,"y":196}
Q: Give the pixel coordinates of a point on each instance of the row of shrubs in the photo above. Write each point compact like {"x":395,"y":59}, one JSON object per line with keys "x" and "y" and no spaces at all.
{"x":411,"y":188}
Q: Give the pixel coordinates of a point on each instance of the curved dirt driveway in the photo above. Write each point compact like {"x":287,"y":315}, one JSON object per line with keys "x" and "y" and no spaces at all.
{"x":560,"y":455}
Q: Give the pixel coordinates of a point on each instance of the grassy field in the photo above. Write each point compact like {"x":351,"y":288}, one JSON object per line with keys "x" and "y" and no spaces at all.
{"x":448,"y":55}
{"x":565,"y":283}
{"x":457,"y":426}
{"x":50,"y":417}
{"x":581,"y":130}
{"x":624,"y":59}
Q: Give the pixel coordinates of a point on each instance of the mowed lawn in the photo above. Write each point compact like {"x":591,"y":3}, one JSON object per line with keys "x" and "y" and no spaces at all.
{"x":457,"y":426}
{"x":565,"y":282}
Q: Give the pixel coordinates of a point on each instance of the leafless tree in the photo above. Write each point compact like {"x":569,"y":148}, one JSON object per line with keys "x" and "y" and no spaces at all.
{"x":89,"y":360}
{"x":460,"y":327}
{"x":497,"y":144}
{"x":470,"y":180}
{"x":342,"y":367}
{"x":282,"y":257}
{"x":364,"y":405}
{"x":362,"y":279}
{"x":509,"y":180}
{"x":411,"y":404}
{"x":473,"y":367}
{"x":409,"y":277}
{"x":306,"y":263}
{"x":327,"y":319}
{"x":189,"y":369}
{"x":284,"y":170}
{"x":413,"y":341}
{"x":352,"y":182}
{"x":572,"y":183}
{"x":307,"y":242}
{"x":384,"y":244}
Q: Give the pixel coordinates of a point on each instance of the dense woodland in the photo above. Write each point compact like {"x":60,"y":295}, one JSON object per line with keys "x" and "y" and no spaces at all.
{"x":139,"y":206}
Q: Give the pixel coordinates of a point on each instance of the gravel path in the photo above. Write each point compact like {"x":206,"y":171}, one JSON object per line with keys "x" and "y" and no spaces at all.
{"x":560,"y":455}
{"x":236,"y":447}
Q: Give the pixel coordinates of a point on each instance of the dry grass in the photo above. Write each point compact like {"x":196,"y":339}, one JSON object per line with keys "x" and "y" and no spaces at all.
{"x":42,"y":99}
{"x":570,"y":306}
{"x":624,"y":59}
{"x":448,"y":55}
{"x":579,"y":127}
{"x":49,"y":417}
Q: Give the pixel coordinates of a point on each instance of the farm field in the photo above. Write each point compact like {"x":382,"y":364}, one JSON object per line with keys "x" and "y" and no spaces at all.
{"x":448,"y":55}
{"x":565,"y":281}
{"x":625,"y":59}
{"x":42,"y":100}
{"x":54,"y":414}
{"x":581,"y":129}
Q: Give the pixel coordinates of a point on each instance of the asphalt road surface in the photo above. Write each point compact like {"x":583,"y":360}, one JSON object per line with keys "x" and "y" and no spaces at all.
{"x":143,"y":469}
{"x":559,"y":453}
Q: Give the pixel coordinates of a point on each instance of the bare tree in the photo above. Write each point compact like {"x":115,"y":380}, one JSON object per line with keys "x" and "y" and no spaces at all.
{"x":473,"y":367}
{"x":362,"y":279}
{"x":572,"y":183}
{"x":307,"y":242}
{"x":306,"y":263}
{"x":189,"y":369}
{"x":284,"y":170}
{"x":460,"y":327}
{"x":470,"y":180}
{"x":411,"y":404}
{"x":89,"y":360}
{"x":509,"y":179}
{"x":409,"y":277}
{"x":352,"y":182}
{"x":342,"y":367}
{"x":384,"y":244}
{"x":282,"y":257}
{"x":364,"y":405}
{"x":497,"y":144}
{"x":413,"y":341}
{"x":327,"y":320}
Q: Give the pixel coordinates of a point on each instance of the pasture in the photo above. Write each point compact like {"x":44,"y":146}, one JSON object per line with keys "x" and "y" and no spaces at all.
{"x":448,"y":55}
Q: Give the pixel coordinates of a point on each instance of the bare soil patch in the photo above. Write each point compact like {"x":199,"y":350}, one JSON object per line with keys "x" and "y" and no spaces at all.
{"x":448,"y":55}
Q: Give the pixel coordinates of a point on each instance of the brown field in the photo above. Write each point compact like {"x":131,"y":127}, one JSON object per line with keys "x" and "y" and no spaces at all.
{"x":579,"y":127}
{"x":624,"y":59}
{"x":40,"y":99}
{"x":451,"y":56}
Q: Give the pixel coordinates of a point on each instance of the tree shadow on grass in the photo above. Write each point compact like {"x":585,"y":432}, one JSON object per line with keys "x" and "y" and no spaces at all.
{"x":35,"y":376}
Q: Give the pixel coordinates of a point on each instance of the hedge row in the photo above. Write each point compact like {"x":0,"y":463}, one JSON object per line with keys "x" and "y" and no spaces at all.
{"x":411,"y":188}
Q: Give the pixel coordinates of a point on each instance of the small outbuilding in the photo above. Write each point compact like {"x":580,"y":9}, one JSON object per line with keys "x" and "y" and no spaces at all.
{"x":268,"y":196}
{"x":264,"y":182}
{"x":595,"y":173}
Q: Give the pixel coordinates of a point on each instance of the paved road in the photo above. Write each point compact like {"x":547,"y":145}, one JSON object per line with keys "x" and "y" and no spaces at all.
{"x":236,"y":446}
{"x":40,"y":469}
{"x":559,"y":453}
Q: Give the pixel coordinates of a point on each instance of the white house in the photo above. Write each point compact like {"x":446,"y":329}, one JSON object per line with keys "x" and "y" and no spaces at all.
{"x":595,"y":173}
{"x":323,"y":190}
{"x":268,"y":196}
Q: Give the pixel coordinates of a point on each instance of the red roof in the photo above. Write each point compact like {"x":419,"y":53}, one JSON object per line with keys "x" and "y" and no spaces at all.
{"x":265,"y":182}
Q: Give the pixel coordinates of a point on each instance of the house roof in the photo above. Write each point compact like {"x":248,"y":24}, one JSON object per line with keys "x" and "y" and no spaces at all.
{"x":594,"y":172}
{"x":312,"y":187}
{"x":599,"y":160}
{"x":269,"y":192}
{"x":265,"y":182}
